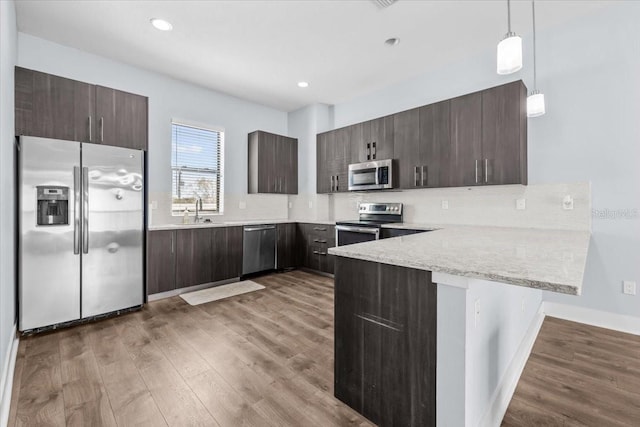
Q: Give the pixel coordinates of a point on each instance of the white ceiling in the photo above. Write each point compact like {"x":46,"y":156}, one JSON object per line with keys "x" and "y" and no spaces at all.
{"x":259,"y":50}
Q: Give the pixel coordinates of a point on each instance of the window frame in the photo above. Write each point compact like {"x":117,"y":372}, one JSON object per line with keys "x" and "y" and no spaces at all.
{"x":207,"y":127}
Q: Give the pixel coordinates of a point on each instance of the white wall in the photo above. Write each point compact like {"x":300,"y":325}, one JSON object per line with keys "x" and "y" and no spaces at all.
{"x":588,"y":70}
{"x":169,"y":98}
{"x":8,"y":37}
{"x":478,"y":355}
{"x":305,"y":124}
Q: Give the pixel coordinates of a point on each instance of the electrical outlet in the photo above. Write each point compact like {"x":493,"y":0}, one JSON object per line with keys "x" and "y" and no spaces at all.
{"x":521,"y":204}
{"x":567,"y":203}
{"x":445,"y":204}
{"x":629,"y":287}
{"x":310,"y":204}
{"x":154,"y":204}
{"x":476,"y":308}
{"x":290,"y":205}
{"x":242,"y":205}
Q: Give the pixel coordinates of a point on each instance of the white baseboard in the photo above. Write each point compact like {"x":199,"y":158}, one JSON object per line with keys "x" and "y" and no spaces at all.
{"x":6,"y":381}
{"x":602,"y":319}
{"x":503,"y":394}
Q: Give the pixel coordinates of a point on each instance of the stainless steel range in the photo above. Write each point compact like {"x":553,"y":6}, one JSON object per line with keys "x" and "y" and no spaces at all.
{"x":372,"y":217}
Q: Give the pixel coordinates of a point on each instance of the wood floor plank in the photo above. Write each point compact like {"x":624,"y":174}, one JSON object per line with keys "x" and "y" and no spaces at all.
{"x":578,"y":375}
{"x":260,"y":359}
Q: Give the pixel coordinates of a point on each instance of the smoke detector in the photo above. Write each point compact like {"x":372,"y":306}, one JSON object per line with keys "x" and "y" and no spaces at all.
{"x":383,"y":3}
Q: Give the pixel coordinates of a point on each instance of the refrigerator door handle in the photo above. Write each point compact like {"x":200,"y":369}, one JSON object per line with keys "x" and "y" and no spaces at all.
{"x":85,"y":210}
{"x":76,"y":210}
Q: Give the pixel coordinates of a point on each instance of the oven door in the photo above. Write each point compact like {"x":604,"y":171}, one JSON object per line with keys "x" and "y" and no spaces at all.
{"x":348,"y":234}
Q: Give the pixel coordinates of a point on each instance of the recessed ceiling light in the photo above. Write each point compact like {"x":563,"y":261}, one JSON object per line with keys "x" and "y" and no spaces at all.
{"x":392,"y":41}
{"x":303,"y":84}
{"x":161,"y":24}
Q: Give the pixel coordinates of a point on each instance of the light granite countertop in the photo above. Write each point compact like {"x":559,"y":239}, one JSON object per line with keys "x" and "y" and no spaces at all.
{"x":552,"y":260}
{"x":233,"y":224}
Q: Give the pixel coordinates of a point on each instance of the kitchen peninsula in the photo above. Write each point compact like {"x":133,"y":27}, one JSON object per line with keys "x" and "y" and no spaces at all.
{"x":389,"y":341}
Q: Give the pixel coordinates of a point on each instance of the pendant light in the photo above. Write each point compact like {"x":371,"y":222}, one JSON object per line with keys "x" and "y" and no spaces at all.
{"x":535,"y":100}
{"x":509,"y":49}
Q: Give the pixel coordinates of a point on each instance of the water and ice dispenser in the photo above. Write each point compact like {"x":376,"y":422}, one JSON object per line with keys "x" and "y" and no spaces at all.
{"x":53,"y":205}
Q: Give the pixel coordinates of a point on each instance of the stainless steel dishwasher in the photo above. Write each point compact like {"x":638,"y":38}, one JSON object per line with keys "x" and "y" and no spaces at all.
{"x":259,"y":248}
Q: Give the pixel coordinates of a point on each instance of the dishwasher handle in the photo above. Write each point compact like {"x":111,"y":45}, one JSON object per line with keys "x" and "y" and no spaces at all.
{"x":260,"y":228}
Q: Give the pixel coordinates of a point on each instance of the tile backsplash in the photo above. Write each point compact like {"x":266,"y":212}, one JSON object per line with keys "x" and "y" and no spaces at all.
{"x":487,"y":205}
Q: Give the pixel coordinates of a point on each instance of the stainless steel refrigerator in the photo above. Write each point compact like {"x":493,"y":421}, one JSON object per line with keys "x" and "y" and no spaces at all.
{"x":81,"y":231}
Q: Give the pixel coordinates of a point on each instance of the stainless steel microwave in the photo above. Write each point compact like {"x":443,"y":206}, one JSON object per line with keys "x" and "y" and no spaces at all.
{"x":373,"y":175}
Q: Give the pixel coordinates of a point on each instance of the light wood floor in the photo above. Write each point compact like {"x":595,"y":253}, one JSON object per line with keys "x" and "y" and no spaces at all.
{"x":259,"y":359}
{"x":578,"y":375}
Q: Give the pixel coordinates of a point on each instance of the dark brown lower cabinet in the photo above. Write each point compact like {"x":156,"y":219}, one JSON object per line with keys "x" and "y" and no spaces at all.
{"x":193,"y":257}
{"x":286,"y":252}
{"x":385,"y":342}
{"x":313,"y":242}
{"x":226,"y":254}
{"x":161,"y":261}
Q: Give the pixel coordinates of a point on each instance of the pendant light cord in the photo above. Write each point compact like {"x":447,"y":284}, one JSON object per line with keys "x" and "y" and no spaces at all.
{"x":533,"y":14}
{"x":509,"y":16}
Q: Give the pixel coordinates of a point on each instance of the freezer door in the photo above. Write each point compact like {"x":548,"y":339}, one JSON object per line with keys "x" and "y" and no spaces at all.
{"x":112,"y":240}
{"x":49,"y":270}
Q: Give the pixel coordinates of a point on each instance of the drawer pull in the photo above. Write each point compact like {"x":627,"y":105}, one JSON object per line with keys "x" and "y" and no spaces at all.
{"x":320,"y":228}
{"x":380,"y":322}
{"x":320,"y":240}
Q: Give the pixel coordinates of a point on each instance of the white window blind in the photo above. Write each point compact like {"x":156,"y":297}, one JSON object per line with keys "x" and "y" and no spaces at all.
{"x":196,"y":168}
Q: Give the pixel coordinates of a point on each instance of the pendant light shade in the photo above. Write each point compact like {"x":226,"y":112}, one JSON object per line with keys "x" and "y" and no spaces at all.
{"x":535,"y":100}
{"x":535,"y":104}
{"x":509,"y":49}
{"x":510,"y":54}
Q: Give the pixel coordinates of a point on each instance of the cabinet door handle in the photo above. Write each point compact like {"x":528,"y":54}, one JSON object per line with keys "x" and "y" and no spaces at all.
{"x":322,"y":253}
{"x":368,"y":151}
{"x":486,"y":170}
{"x":477,"y":179}
{"x":90,"y":137}
{"x":320,"y":240}
{"x":417,"y":176}
{"x":316,"y":252}
{"x":319,"y":228}
{"x":101,"y":129}
{"x":331,"y":183}
{"x":171,"y":235}
{"x":425,"y":175}
{"x":337,"y":184}
{"x":373,"y":150}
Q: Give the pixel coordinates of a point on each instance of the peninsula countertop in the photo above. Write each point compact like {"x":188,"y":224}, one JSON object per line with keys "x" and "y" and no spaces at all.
{"x":552,"y":260}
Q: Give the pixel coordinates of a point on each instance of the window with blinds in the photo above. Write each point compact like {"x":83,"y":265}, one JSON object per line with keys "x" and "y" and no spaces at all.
{"x":196,"y":167}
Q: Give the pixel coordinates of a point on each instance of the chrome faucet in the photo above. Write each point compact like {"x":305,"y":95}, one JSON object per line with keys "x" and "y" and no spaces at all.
{"x":197,"y":218}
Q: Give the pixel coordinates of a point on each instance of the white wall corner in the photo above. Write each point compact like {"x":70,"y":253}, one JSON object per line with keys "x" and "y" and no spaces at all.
{"x":589,"y":316}
{"x":6,"y":381}
{"x":504,"y":393}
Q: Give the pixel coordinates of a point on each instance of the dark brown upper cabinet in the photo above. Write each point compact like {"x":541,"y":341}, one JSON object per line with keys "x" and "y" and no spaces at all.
{"x":371,"y":140}
{"x":273,"y":163}
{"x":466,"y":140}
{"x":49,"y":106}
{"x":122,"y":118}
{"x":333,"y":154}
{"x":489,"y":136}
{"x":475,"y":139}
{"x":407,"y":147}
{"x":504,"y":134}
{"x":53,"y":107}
